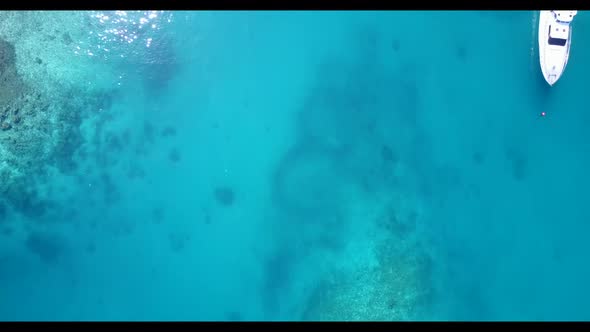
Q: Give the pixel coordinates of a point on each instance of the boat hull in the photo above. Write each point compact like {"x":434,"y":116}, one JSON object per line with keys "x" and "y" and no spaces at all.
{"x":554,"y":46}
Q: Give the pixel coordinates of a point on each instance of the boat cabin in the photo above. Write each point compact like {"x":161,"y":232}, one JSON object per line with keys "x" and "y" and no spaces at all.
{"x":558,"y":34}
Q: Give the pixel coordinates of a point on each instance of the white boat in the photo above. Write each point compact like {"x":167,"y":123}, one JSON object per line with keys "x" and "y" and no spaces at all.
{"x":555,"y":37}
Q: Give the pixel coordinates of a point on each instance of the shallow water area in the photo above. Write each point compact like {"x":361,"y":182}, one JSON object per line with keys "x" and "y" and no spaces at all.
{"x":289,"y":166}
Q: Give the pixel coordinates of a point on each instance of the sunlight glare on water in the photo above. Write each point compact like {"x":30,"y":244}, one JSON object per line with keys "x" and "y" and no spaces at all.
{"x":121,"y":33}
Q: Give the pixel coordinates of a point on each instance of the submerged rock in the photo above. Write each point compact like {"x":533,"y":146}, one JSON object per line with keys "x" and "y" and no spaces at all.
{"x":225,"y":195}
{"x":48,"y":247}
{"x":174,"y":155}
{"x":3,"y":212}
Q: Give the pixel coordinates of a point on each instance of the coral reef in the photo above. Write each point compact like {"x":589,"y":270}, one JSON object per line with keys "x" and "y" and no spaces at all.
{"x":51,"y":85}
{"x":394,"y":285}
{"x":398,"y":289}
{"x":40,"y":111}
{"x":57,"y":139}
{"x":347,"y":154}
{"x":11,"y":85}
{"x":308,"y":182}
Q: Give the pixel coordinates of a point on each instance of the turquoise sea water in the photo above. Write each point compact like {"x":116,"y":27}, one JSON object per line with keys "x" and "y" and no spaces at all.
{"x":310,"y":166}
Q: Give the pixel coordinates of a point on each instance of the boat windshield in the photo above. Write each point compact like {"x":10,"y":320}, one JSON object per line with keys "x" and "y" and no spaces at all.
{"x":556,"y":41}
